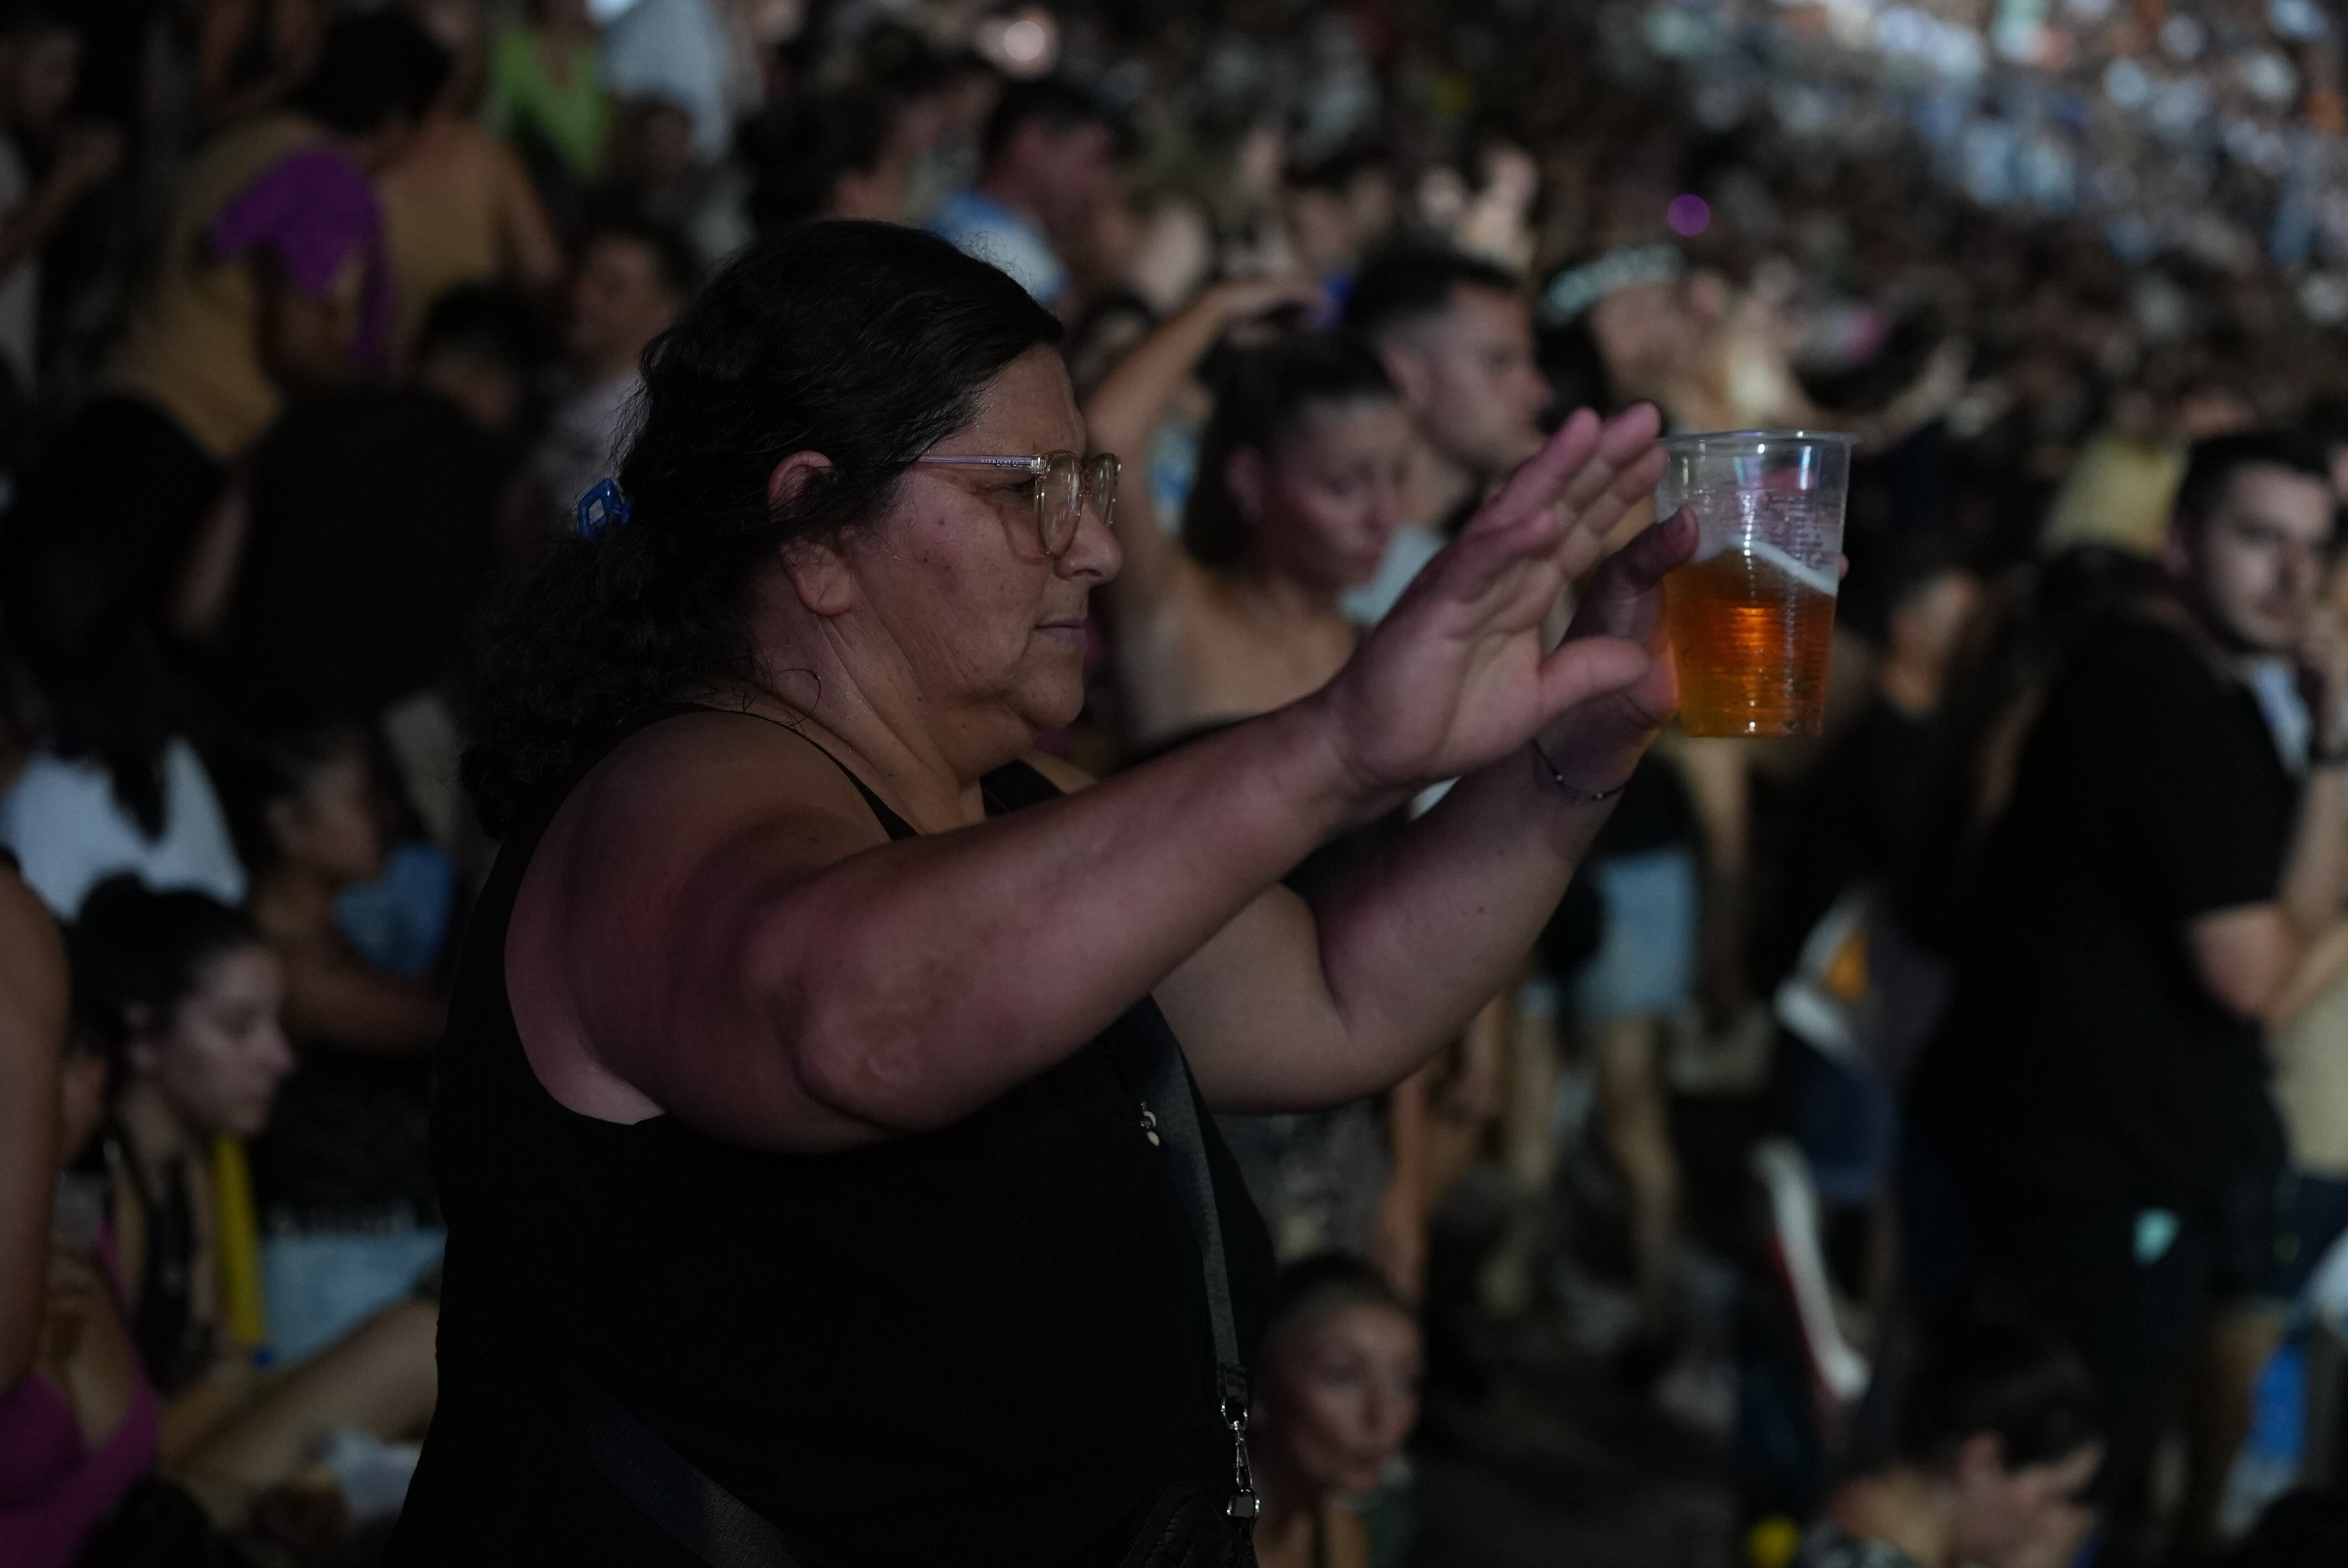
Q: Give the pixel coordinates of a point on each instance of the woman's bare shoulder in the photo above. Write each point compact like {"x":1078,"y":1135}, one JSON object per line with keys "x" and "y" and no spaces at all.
{"x":708,"y":775}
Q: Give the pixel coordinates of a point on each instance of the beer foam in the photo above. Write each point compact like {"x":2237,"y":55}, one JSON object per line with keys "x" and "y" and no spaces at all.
{"x":1810,"y":576}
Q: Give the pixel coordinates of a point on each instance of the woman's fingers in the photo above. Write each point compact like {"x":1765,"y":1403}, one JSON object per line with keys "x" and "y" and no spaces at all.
{"x":1624,"y":443}
{"x":1540,"y":478}
{"x":1612,"y":605}
{"x":1588,"y":667}
{"x":1579,"y":484}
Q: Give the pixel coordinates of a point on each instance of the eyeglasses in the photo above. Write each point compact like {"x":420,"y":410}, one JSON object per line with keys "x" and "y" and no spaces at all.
{"x":1066,"y":483}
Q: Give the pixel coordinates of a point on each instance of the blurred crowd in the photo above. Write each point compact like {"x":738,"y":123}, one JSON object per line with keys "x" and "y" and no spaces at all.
{"x":1919,"y":1146}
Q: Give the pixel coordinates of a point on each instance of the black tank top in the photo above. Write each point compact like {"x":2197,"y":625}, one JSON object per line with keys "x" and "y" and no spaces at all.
{"x":984,"y":1345}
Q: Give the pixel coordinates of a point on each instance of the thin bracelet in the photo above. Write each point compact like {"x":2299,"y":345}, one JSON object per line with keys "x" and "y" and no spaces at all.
{"x":1574,"y":794}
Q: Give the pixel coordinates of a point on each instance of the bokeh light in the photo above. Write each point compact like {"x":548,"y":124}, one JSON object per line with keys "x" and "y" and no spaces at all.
{"x":1688,"y":216}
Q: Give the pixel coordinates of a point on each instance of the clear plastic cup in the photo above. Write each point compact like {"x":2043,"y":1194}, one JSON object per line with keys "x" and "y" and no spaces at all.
{"x":1751,"y":616}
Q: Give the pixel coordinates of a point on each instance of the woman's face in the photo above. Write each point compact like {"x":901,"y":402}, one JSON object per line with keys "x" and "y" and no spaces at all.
{"x":1341,"y":1395}
{"x":1644,"y":333}
{"x":1328,"y":499}
{"x":950,"y":601}
{"x":218,"y":1059}
{"x":335,"y":823}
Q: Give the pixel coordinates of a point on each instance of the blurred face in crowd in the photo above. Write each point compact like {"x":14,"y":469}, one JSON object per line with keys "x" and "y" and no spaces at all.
{"x":40,"y":67}
{"x":1644,"y":332}
{"x":1320,"y":231}
{"x":652,"y":149}
{"x":457,"y":26}
{"x":488,"y":390}
{"x":305,"y":340}
{"x":333,"y":823}
{"x":1062,"y":174}
{"x":2256,"y":564}
{"x":950,"y":599}
{"x":1326,"y":503}
{"x":619,"y":304}
{"x":877,"y":193}
{"x":219,"y":1057}
{"x":1341,"y":1393}
{"x":2033,"y":1513}
{"x":1469,"y":378}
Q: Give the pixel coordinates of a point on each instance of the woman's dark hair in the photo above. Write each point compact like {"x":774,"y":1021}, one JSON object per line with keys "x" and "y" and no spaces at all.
{"x":371,"y":68}
{"x":106,"y":689}
{"x":864,"y":342}
{"x":133,"y":947}
{"x":2007,"y":1375}
{"x":1314,"y":1287}
{"x":276,"y":764}
{"x":1261,"y":398}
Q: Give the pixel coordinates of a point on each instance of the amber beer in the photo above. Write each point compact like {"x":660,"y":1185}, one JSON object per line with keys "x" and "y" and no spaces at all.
{"x":1751,"y":640}
{"x":1751,"y":618}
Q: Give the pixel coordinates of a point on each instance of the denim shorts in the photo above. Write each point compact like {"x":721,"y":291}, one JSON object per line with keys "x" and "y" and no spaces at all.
{"x":323,"y":1284}
{"x":1645,"y":962}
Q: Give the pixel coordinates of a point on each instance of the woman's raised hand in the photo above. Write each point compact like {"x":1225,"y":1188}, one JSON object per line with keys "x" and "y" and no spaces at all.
{"x":1457,"y":676}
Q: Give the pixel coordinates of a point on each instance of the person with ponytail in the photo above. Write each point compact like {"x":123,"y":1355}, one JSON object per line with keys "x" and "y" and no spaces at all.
{"x":823,"y":1129}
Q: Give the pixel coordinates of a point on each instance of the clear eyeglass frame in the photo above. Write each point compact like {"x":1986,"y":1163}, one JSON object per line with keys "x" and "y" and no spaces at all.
{"x":1065,"y":483}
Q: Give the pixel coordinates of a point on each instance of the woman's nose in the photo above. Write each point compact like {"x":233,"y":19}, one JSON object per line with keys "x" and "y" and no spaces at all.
{"x":1094,"y":552}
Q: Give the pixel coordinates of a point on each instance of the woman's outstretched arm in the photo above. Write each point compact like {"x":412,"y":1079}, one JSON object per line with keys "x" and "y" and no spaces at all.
{"x":1295,"y":1006}
{"x":715,"y":928}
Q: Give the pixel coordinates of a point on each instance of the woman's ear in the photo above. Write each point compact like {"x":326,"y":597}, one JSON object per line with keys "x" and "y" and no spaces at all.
{"x":790,"y":476}
{"x":1243,"y":473}
{"x":818,"y":575}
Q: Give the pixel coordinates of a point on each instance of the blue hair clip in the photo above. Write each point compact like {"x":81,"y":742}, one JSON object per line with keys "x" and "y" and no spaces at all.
{"x":601,"y":507}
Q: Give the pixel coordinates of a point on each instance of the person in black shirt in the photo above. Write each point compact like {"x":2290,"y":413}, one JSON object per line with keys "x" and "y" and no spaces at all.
{"x":371,"y":518}
{"x":2096,"y":1099}
{"x":1852,"y":996}
{"x":815,"y":1090}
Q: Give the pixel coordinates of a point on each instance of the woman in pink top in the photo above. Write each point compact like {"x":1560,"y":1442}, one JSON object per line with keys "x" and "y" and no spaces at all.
{"x":79,"y":1427}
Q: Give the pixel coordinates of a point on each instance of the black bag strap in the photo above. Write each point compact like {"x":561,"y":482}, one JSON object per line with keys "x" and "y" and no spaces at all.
{"x":712,"y":1524}
{"x":1167,"y":1096}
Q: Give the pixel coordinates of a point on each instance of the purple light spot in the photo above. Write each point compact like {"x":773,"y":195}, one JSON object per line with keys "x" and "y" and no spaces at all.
{"x":1688,"y":216}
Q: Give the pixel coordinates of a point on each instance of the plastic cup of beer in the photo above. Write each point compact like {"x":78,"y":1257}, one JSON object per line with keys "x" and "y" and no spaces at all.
{"x":1752,"y":615}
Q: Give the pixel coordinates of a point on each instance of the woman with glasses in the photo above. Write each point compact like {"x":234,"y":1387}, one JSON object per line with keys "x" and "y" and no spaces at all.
{"x":799,"y":1129}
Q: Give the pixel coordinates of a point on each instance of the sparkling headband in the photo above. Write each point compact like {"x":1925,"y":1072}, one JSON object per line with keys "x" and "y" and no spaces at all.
{"x":1576,"y":289}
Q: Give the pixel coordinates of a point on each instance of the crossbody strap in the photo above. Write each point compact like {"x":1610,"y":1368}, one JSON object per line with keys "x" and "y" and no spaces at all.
{"x":716,"y":1527}
{"x":1168,"y":1095}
